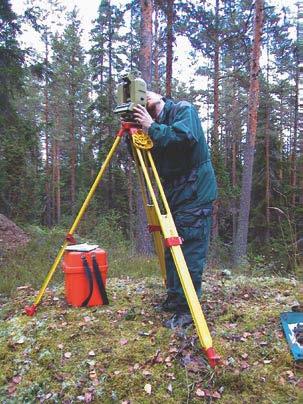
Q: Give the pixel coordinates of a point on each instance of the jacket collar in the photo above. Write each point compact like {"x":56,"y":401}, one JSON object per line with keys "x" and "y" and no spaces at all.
{"x":165,"y":111}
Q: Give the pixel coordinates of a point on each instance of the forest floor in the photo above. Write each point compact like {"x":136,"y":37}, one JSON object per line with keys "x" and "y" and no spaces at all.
{"x":122,"y":353}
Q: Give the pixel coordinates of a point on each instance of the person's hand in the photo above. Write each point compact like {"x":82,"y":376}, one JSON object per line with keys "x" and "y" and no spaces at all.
{"x":143,"y":117}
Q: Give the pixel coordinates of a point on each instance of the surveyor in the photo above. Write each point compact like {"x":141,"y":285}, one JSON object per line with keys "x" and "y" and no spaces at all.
{"x":183,"y":162}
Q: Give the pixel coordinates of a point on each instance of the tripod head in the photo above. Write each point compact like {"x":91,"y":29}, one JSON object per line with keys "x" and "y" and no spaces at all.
{"x":131,"y":91}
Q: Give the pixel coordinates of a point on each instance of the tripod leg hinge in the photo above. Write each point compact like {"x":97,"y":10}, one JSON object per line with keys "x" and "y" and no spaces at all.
{"x":172,"y":241}
{"x":30,"y":310}
{"x":70,"y":238}
{"x":153,"y":227}
{"x":213,"y":358}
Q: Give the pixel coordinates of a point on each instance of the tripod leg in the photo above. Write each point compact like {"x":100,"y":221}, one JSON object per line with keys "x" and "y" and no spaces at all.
{"x":30,"y":310}
{"x":152,"y":219}
{"x":155,"y":229}
{"x":173,"y":241}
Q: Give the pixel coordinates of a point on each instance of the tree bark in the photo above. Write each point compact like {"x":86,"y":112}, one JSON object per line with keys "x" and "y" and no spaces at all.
{"x":215,"y":135}
{"x":300,"y":103}
{"x":46,"y":124}
{"x":293,"y":156}
{"x":146,"y":31}
{"x":73,"y":150}
{"x":156,"y":51}
{"x":110,"y":105}
{"x":267,"y":153}
{"x":169,"y":45}
{"x":240,"y":247}
{"x":143,"y":240}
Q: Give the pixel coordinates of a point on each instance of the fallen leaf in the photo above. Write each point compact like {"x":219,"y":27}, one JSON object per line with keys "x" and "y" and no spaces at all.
{"x":244,"y":356}
{"x":148,"y":388}
{"x":88,"y":397}
{"x":20,"y":340}
{"x":244,"y":365}
{"x":123,"y":341}
{"x":67,"y":355}
{"x":91,"y":353}
{"x":263,"y":343}
{"x":17,"y":379}
{"x":11,"y":389}
{"x":266,"y":361}
{"x":290,"y":374}
{"x":170,"y":388}
{"x":146,"y":373}
{"x":117,"y":372}
{"x":136,"y":366}
{"x":200,"y":393}
{"x":60,"y":346}
{"x":92,"y":374}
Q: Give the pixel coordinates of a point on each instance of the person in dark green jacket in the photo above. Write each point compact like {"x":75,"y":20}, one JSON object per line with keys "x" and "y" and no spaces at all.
{"x":183,"y":162}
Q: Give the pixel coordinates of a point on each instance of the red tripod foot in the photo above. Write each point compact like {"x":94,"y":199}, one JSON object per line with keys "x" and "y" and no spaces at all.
{"x":213,"y":358}
{"x":30,"y":310}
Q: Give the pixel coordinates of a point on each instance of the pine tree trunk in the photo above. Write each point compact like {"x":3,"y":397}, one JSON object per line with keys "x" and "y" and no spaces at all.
{"x":110,"y":107}
{"x":234,"y":153}
{"x":169,"y":45}
{"x":293,"y":157}
{"x":146,"y":40}
{"x":58,"y":179}
{"x":267,"y":174}
{"x":73,"y":150}
{"x":300,"y":104}
{"x":267,"y":154}
{"x":143,"y":240}
{"x":130,"y":194}
{"x":215,"y":135}
{"x":47,"y":154}
{"x":72,"y":160}
{"x":156,"y":51}
{"x":240,"y":247}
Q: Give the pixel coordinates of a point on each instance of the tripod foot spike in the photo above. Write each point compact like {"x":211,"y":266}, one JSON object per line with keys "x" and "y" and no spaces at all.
{"x":30,"y":310}
{"x":213,"y":358}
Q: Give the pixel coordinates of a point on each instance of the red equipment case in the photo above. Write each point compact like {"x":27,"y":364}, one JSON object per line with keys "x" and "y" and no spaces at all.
{"x":77,"y":285}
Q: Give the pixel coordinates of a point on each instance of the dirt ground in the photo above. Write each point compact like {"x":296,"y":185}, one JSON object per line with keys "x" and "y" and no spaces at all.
{"x":11,"y":236}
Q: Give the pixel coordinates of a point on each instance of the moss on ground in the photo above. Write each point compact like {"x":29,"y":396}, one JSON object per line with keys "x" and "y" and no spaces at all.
{"x":122,"y":353}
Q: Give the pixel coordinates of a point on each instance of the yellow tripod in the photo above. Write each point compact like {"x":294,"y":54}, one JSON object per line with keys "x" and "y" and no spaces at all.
{"x":161,"y":225}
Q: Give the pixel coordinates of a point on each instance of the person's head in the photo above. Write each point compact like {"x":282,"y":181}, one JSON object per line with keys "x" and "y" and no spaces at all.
{"x":154,"y":104}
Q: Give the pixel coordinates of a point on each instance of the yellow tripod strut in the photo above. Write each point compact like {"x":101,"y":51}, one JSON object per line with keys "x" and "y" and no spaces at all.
{"x":169,"y":231}
{"x":152,"y":217}
{"x":31,"y":310}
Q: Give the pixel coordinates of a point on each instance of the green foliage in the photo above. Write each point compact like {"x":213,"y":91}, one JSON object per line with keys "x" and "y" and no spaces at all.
{"x":30,"y":264}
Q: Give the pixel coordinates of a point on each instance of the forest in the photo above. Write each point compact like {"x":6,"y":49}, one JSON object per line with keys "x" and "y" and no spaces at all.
{"x":244,"y":75}
{"x":57,"y":121}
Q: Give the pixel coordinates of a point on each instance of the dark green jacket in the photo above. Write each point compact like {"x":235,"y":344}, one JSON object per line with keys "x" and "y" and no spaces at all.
{"x":182,"y":157}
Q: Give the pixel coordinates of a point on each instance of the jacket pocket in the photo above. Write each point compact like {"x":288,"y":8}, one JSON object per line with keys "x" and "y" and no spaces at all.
{"x":182,"y":190}
{"x":194,"y":224}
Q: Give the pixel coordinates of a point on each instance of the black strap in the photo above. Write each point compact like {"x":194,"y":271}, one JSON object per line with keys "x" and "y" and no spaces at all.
{"x":99,"y":281}
{"x":89,"y":278}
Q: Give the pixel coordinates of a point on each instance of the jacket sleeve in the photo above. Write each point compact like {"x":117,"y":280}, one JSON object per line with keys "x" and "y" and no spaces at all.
{"x":182,"y":129}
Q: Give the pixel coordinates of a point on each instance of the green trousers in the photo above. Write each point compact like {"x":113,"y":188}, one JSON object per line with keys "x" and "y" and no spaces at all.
{"x":193,"y":226}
